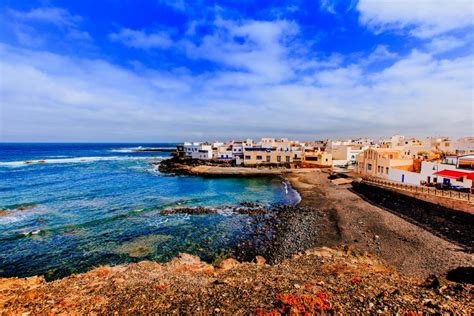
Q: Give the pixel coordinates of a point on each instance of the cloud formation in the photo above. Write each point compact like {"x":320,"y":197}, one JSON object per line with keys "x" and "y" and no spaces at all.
{"x":255,"y":77}
{"x":52,"y":15}
{"x":425,"y":18}
{"x":141,"y":39}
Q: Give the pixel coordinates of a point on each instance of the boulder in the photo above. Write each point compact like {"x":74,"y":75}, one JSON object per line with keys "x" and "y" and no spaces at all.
{"x":228,"y":264}
{"x":184,"y":262}
{"x":260,"y":260}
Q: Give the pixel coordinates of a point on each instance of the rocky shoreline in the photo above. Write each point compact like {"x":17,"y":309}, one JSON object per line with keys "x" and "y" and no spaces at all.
{"x":379,"y":263}
{"x":195,"y":167}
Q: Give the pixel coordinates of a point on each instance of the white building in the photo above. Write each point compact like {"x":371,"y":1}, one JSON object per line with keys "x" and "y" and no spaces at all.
{"x":344,"y":155}
{"x":204,"y":152}
{"x":190,"y":147}
{"x":434,"y":172}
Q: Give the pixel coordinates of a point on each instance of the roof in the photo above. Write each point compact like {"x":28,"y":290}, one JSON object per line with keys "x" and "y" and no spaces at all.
{"x":453,"y":174}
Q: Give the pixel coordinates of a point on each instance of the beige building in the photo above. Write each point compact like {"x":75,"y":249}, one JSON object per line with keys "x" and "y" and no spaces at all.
{"x":262,"y":156}
{"x":378,"y":161}
{"x":316,"y":158}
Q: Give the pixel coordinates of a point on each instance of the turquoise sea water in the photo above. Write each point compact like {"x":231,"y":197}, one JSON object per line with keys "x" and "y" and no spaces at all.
{"x":76,"y":206}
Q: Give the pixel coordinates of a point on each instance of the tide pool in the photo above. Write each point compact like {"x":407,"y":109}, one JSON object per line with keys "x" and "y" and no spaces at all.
{"x":72,"y":207}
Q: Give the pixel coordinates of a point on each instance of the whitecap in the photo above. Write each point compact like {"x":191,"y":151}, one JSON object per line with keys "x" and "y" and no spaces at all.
{"x":124,"y":150}
{"x":68,"y":160}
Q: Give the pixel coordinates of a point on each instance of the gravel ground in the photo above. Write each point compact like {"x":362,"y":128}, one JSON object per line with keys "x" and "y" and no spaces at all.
{"x":454,"y":226}
{"x":411,"y":248}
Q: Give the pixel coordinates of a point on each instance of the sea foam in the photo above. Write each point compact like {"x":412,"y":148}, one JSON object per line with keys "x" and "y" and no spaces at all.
{"x":68,"y":160}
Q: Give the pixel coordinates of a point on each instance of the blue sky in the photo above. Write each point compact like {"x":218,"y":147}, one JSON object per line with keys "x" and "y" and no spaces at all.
{"x":177,"y":70}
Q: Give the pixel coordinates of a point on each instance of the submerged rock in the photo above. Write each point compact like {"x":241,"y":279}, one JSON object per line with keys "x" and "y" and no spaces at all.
{"x":248,"y":210}
{"x":141,"y":246}
{"x":190,"y":210}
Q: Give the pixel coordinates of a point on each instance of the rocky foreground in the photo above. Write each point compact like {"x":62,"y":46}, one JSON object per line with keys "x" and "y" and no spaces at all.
{"x":318,"y":280}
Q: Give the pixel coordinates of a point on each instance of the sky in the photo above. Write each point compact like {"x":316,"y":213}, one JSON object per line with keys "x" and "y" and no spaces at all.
{"x":162,"y":70}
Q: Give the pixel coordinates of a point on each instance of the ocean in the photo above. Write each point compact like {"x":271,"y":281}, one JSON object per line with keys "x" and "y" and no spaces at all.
{"x":70,"y":207}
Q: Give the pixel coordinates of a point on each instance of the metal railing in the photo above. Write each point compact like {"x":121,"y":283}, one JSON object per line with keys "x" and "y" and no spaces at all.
{"x":462,"y":196}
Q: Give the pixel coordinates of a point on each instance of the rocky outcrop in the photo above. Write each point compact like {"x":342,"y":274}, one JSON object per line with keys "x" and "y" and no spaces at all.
{"x":184,"y":166}
{"x":315,"y":281}
{"x":248,"y":208}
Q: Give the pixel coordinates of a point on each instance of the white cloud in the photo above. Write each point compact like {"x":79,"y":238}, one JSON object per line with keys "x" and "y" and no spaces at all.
{"x":52,"y":15}
{"x":23,"y":25}
{"x":447,"y":43}
{"x":381,"y":53}
{"x":179,"y":5}
{"x":57,"y":98}
{"x":255,"y":47}
{"x":140,"y":39}
{"x":425,"y":18}
{"x":328,"y":5}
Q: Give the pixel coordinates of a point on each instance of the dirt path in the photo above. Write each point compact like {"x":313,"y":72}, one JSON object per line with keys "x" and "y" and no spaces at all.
{"x":411,"y":249}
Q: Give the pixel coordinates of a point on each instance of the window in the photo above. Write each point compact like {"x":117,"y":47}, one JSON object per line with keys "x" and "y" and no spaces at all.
{"x":369,"y":166}
{"x":268,"y":158}
{"x":386,"y":170}
{"x":259,"y":157}
{"x":247,"y":157}
{"x":287,"y":158}
{"x":278,"y":158}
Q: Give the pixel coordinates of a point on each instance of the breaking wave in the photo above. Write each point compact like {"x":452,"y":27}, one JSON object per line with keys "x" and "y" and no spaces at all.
{"x":69,"y":160}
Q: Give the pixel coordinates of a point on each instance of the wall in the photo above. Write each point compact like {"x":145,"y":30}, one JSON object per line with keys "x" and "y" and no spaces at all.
{"x":250,"y":157}
{"x":410,"y":177}
{"x":317,"y":158}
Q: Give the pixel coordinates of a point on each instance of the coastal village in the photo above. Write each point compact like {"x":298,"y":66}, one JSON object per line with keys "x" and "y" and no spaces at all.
{"x":438,"y":162}
{"x":382,"y":227}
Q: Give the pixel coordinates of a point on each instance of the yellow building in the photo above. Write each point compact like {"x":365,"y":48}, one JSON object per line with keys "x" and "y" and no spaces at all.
{"x":316,"y":158}
{"x":262,"y":156}
{"x":378,"y":161}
